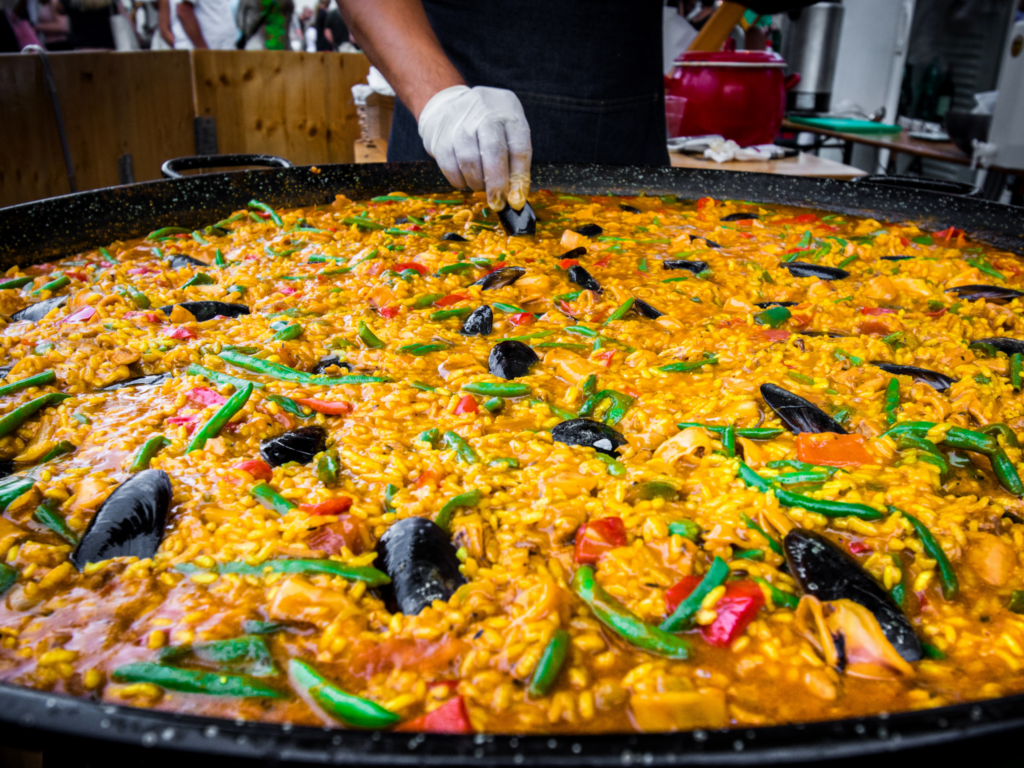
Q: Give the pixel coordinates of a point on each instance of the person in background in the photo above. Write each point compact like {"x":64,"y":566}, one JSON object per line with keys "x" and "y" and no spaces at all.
{"x":324,"y":36}
{"x":90,"y":23}
{"x":163,"y":40}
{"x":52,"y":25}
{"x":204,"y":24}
{"x":339,"y":30}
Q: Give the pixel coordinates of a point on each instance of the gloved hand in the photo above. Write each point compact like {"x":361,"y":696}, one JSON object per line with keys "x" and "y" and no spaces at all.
{"x":480,"y":139}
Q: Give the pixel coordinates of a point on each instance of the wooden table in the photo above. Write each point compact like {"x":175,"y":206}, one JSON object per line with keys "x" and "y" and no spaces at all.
{"x":802,"y":165}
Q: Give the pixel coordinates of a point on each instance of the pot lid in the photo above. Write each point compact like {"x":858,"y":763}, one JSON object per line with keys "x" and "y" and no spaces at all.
{"x":731,"y":58}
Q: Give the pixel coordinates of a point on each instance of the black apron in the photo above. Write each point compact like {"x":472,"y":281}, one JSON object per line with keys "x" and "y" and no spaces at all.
{"x":588,"y":73}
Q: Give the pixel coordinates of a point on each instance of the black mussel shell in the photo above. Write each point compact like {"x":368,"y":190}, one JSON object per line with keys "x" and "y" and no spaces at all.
{"x":797,"y":414}
{"x":629,"y":208}
{"x":643,"y":308}
{"x":207,"y":310}
{"x":694,"y":266}
{"x":500,"y":278}
{"x":6,"y":468}
{"x":402,"y":220}
{"x":326,"y":362}
{"x":826,"y":572}
{"x":139,"y":381}
{"x":589,"y":230}
{"x":1003,"y":344}
{"x":740,"y":216}
{"x":177,"y":262}
{"x":454,"y":237}
{"x":521,"y":222}
{"x":821,"y":334}
{"x":130,"y":523}
{"x":479,"y":323}
{"x":299,"y":445}
{"x":589,"y":434}
{"x":584,"y":279}
{"x":36,"y":312}
{"x":4,"y":370}
{"x":935,"y":380}
{"x":709,"y":243}
{"x":803,"y":269}
{"x":575,"y":253}
{"x":766,"y":304}
{"x":419,"y":557}
{"x":987,"y":292}
{"x":511,"y":359}
{"x":896,"y":258}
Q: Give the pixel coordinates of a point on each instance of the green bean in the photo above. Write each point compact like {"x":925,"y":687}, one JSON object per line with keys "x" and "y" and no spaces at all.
{"x":773,"y":317}
{"x":497,"y":389}
{"x":780,"y":598}
{"x":38,"y":380}
{"x":947,"y":576}
{"x":1016,"y":604}
{"x":494,"y":404}
{"x":419,"y":350}
{"x":582,"y":330}
{"x":54,"y":285}
{"x":16,"y":418}
{"x":368,"y":337}
{"x":139,"y":299}
{"x":463,"y":449}
{"x":15,"y":282}
{"x":550,"y":664}
{"x":271,"y":499}
{"x":424,"y":301}
{"x":751,"y":523}
{"x":371,"y":576}
{"x":230,"y":219}
{"x":753,"y":433}
{"x":691,"y":365}
{"x":193,"y":681}
{"x":284,"y":373}
{"x":504,"y":462}
{"x":892,"y":400}
{"x":620,"y":404}
{"x":561,"y":413}
{"x":624,"y":622}
{"x":216,"y":377}
{"x":217,"y":422}
{"x":898,"y":592}
{"x":250,"y":652}
{"x":431,"y":436}
{"x":8,"y":576}
{"x":614,"y":468}
{"x":48,"y":517}
{"x":821,"y":506}
{"x":572,"y":296}
{"x":1006,"y":472}
{"x":444,"y":314}
{"x":200,"y":278}
{"x":108,"y":258}
{"x":145,"y":454}
{"x":351,"y":710}
{"x":729,"y":440}
{"x":447,"y":512}
{"x":1017,"y":371}
{"x":389,"y":496}
{"x":684,"y":614}
{"x":589,"y":385}
{"x":289,"y":405}
{"x":421,"y":386}
{"x":685,"y":528}
{"x":1003,"y":431}
{"x":165,"y":232}
{"x":328,"y":466}
{"x":218,"y":259}
{"x":929,"y":452}
{"x":748,"y":554}
{"x":288,"y":333}
{"x":59,"y":449}
{"x":621,"y":311}
{"x":801,"y":478}
{"x":13,"y":487}
{"x":956,"y":437}
{"x":256,"y":204}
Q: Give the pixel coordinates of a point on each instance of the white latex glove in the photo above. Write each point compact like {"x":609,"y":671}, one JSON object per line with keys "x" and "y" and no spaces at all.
{"x":480,"y":139}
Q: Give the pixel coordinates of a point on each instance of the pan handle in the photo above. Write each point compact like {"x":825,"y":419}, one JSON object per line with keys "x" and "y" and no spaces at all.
{"x":172,"y":168}
{"x":919,"y":184}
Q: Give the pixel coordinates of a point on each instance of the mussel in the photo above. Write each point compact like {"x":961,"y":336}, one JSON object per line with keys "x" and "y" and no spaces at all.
{"x":500,"y":278}
{"x":629,"y":208}
{"x":511,"y":359}
{"x":988,"y":292}
{"x":6,"y":468}
{"x":479,"y":323}
{"x":589,"y":230}
{"x":825,"y":571}
{"x":766,"y":304}
{"x":420,"y":558}
{"x":454,"y":237}
{"x":896,"y":258}
{"x":575,"y":253}
{"x":803,"y":269}
{"x":516,"y":223}
{"x":821,"y":334}
{"x":139,"y":381}
{"x":36,"y":312}
{"x":935,"y":380}
{"x":584,"y":279}
{"x":207,"y":310}
{"x":179,"y":261}
{"x":740,"y":216}
{"x":641,"y":307}
{"x":589,"y":434}
{"x":1003,"y":344}
{"x":797,"y":414}
{"x":708,"y":243}
{"x":693,"y":266}
{"x":4,"y":370}
{"x":327,"y":362}
{"x":130,"y":523}
{"x":298,"y":445}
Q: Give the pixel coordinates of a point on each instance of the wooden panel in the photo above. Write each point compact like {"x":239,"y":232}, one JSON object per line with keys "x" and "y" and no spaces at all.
{"x":112,"y":103}
{"x":343,"y":71}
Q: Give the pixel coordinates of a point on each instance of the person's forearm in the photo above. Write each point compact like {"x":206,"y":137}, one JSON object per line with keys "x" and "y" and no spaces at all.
{"x":189,"y":22}
{"x":398,"y":40}
{"x":164,"y":21}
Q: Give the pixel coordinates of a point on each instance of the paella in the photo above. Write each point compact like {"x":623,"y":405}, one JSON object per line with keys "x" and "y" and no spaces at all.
{"x":611,"y":464}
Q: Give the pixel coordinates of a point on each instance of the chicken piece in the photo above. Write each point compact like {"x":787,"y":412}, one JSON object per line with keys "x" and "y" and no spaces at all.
{"x":679,"y":710}
{"x":571,"y":367}
{"x":880,"y":288}
{"x":296,"y":599}
{"x":913,"y":286}
{"x":572,"y":240}
{"x":91,"y":492}
{"x":690,"y":445}
{"x":992,"y":558}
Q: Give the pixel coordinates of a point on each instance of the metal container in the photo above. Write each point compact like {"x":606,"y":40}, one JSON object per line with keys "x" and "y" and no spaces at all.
{"x":810,"y":44}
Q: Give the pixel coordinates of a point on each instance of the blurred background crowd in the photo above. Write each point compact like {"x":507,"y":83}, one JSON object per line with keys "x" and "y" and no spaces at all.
{"x":126,"y":25}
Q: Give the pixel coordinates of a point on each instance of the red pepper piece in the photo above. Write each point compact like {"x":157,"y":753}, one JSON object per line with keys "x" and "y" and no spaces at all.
{"x":388,"y":312}
{"x":497,"y":265}
{"x":603,"y":262}
{"x":338,"y":408}
{"x":429,"y":477}
{"x":414,"y":228}
{"x":877,"y":311}
{"x":451,"y":298}
{"x":205,"y":396}
{"x":448,"y":718}
{"x":521,"y":318}
{"x":80,"y":276}
{"x":776,"y":335}
{"x":410,"y":265}
{"x":736,"y":608}
{"x":874,"y":326}
{"x":859,"y":547}
{"x":605,"y":358}
{"x":189,"y":421}
{"x":937,"y":313}
{"x":565,"y":307}
{"x":345,"y":532}
{"x":804,"y":218}
{"x":336,"y":506}
{"x":904,"y":242}
{"x":833,"y":450}
{"x":566,"y":263}
{"x":467,"y":404}
{"x":595,"y":538}
{"x":704,"y":202}
{"x":258,"y":468}
{"x":946,"y":234}
{"x":80,"y":316}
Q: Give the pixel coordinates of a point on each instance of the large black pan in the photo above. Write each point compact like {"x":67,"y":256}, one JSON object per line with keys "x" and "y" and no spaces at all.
{"x":60,"y":226}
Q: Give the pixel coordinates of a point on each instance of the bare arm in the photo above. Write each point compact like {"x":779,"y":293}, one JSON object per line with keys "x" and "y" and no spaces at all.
{"x":189,"y":22}
{"x":397,"y":38}
{"x":163,"y":9}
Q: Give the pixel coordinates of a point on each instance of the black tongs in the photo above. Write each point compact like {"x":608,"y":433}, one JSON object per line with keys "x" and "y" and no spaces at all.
{"x":521,"y":222}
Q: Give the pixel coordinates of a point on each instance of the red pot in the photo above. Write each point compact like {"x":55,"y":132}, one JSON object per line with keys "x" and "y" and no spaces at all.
{"x":740,"y":95}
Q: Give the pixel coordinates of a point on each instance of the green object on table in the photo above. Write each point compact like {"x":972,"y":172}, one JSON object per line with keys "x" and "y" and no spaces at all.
{"x":284,"y":373}
{"x":193,"y":681}
{"x":551,"y":661}
{"x":780,"y":598}
{"x":217,"y":377}
{"x":845,"y":125}
{"x":328,"y":466}
{"x":371,"y":576}
{"x":248,"y":654}
{"x":821,"y":506}
{"x":13,"y":487}
{"x":15,"y":282}
{"x":8,"y":575}
{"x":892,"y":400}
{"x":685,"y":528}
{"x":350,"y":710}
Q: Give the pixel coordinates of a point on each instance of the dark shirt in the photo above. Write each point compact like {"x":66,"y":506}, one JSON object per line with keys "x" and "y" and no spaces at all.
{"x":337,"y":26}
{"x":322,"y":43}
{"x":89,"y":28}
